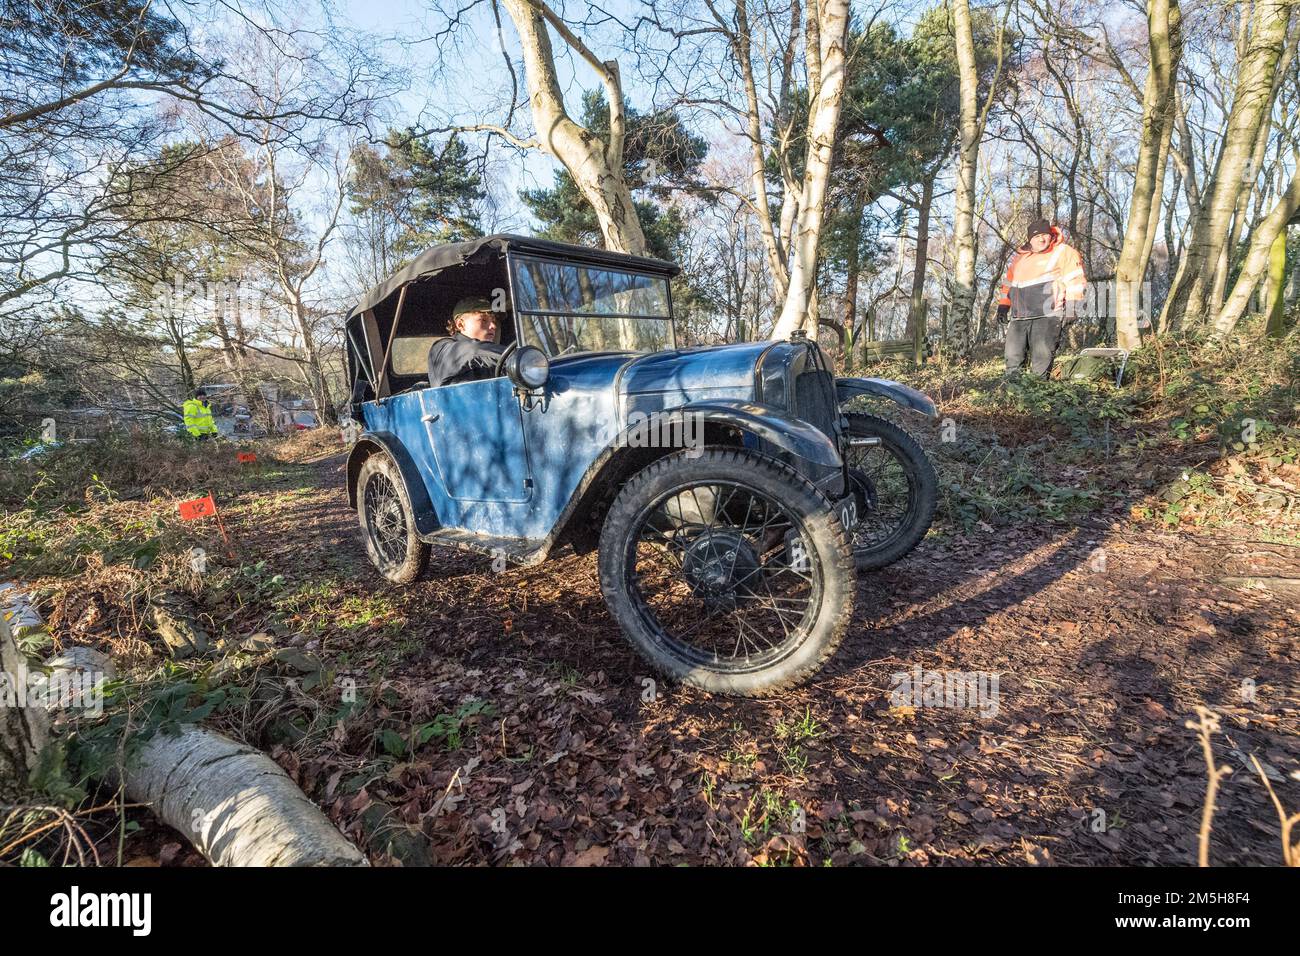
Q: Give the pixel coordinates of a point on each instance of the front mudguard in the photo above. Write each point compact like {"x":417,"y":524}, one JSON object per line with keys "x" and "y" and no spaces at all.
{"x":905,"y":395}
{"x":370,"y":443}
{"x":793,"y":435}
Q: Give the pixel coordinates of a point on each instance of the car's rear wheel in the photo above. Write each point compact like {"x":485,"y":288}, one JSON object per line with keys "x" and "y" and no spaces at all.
{"x":896,"y":488}
{"x":727,"y":571}
{"x":388,"y":522}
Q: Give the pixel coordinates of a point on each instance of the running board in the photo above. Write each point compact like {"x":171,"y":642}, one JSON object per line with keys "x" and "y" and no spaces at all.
{"x":519,"y":551}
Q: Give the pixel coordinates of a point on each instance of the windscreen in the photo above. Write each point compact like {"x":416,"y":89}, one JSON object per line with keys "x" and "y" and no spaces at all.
{"x":565,"y":308}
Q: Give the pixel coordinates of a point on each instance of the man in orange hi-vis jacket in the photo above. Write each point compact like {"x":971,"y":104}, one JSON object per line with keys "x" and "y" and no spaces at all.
{"x":1044,"y":288}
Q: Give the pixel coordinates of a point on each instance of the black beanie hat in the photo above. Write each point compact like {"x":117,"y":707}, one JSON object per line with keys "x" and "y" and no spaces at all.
{"x":1039,"y":226}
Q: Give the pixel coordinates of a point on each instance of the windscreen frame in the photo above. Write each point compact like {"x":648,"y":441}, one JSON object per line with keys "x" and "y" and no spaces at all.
{"x":596,"y":262}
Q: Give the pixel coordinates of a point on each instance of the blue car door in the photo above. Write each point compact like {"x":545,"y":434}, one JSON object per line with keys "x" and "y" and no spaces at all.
{"x":476,"y":434}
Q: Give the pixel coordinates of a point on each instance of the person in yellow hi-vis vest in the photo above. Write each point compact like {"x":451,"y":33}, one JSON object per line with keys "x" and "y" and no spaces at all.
{"x":198,"y":415}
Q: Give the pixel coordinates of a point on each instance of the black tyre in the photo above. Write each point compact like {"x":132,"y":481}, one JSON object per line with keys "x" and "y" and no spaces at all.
{"x":727,"y":571}
{"x":897,"y":491}
{"x":388,"y":522}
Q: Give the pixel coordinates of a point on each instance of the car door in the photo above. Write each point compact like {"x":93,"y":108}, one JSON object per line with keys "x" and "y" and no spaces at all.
{"x":476,"y":434}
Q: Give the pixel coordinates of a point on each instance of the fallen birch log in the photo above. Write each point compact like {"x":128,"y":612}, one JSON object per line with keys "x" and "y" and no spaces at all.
{"x":233,"y":802}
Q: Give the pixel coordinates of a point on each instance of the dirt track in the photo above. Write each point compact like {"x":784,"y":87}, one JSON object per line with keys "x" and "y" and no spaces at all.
{"x":1086,"y":761}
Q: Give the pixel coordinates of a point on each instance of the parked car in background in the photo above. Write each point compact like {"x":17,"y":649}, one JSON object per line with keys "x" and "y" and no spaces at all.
{"x":730,"y":495}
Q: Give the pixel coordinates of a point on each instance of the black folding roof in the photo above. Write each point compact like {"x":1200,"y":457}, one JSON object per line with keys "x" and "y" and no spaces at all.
{"x":451,"y":254}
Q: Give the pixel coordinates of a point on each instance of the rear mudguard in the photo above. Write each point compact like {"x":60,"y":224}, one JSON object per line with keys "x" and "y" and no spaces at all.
{"x":794,"y":435}
{"x":905,"y":395}
{"x":368,"y":444}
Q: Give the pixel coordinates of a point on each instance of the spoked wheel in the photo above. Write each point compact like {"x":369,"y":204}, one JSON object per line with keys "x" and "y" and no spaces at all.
{"x":388,"y":523}
{"x":896,"y":489}
{"x":728,"y":571}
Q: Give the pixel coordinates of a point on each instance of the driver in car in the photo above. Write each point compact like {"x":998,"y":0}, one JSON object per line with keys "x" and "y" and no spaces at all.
{"x":469,"y":351}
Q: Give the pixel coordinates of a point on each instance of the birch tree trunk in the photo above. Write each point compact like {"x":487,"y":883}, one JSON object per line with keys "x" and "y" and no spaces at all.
{"x":234,"y":803}
{"x":784,"y":123}
{"x":1276,"y":308}
{"x":914,"y":312}
{"x":596,"y":166}
{"x":1185,"y":179}
{"x":314,"y":366}
{"x":1162,"y":169}
{"x":1242,"y":215}
{"x":1163,"y":25}
{"x":742,"y":49}
{"x":853,"y":268}
{"x":826,"y":52}
{"x":1258,"y":258}
{"x":971,"y":131}
{"x":24,"y":731}
{"x":1252,"y":101}
{"x":228,"y":354}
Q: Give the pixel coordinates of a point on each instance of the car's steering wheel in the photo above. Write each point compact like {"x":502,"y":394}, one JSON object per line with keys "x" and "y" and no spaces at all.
{"x":501,"y":362}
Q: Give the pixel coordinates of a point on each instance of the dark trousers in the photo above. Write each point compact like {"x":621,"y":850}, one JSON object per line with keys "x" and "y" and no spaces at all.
{"x":1037,"y":337}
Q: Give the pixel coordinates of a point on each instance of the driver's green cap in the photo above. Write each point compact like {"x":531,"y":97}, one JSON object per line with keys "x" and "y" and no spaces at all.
{"x":471,"y":303}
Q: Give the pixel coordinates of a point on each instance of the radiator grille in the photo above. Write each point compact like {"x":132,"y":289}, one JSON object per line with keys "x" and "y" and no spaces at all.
{"x":814,"y":396}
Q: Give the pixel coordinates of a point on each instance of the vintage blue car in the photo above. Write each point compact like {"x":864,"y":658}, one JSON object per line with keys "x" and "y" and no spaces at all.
{"x":730,"y":495}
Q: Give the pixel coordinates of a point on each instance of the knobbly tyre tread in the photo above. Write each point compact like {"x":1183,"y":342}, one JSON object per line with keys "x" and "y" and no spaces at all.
{"x":927,"y":496}
{"x":417,"y":552}
{"x":792,"y":490}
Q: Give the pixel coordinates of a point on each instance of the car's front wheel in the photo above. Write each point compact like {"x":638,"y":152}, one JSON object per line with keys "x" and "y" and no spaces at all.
{"x":896,"y":488}
{"x":388,"y":522}
{"x":727,"y":570}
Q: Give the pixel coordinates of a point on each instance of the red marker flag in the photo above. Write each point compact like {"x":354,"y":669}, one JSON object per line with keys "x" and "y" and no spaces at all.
{"x":246,"y":457}
{"x":197,"y":508}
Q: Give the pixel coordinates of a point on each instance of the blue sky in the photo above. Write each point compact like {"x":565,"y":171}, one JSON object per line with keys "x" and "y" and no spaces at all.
{"x":472,"y":83}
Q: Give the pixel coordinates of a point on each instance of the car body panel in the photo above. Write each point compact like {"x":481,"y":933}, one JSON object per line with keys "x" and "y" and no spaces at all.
{"x":567,"y":427}
{"x":905,"y":395}
{"x":502,"y":463}
{"x":426,"y":518}
{"x":479,"y":454}
{"x":791,"y":435}
{"x":475,"y":431}
{"x":683,"y":375}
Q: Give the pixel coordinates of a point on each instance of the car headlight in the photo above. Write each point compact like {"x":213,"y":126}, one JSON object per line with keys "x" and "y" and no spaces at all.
{"x":529,"y":367}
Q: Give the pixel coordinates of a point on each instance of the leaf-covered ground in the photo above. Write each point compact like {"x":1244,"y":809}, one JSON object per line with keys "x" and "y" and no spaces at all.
{"x":1117,"y":558}
{"x":503,"y":719}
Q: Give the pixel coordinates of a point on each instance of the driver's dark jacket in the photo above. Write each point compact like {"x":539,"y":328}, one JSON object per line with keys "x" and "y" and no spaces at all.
{"x":458,"y":358}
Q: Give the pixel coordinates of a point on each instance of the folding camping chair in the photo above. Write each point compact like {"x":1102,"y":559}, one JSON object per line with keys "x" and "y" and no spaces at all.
{"x":1080,"y":368}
